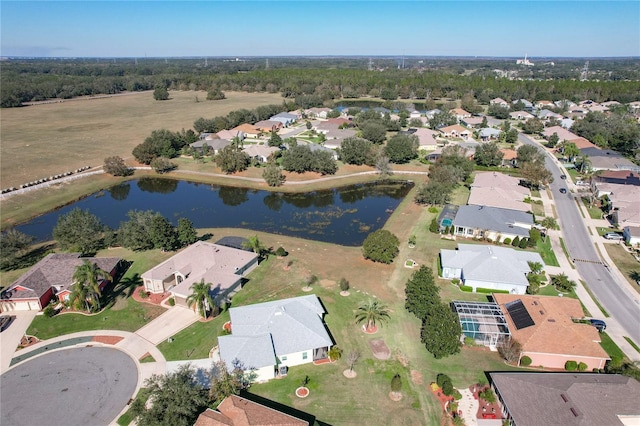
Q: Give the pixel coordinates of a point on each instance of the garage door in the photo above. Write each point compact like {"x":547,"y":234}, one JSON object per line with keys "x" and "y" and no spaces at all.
{"x":20,"y":306}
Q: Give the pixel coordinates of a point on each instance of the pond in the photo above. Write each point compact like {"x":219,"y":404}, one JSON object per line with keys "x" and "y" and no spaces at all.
{"x":342,"y":216}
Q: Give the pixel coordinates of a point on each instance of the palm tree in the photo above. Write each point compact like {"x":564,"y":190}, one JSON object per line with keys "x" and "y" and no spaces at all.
{"x":254,"y":244}
{"x":536,"y":267}
{"x":371,"y":312}
{"x":200,"y":297}
{"x":86,"y":284}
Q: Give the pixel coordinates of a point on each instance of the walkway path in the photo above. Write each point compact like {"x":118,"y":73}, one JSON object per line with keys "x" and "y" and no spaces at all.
{"x":166,"y":325}
{"x":469,"y":407}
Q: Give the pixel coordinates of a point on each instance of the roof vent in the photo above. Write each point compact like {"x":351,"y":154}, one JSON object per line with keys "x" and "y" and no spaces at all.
{"x":575,"y":412}
{"x":564,"y":397}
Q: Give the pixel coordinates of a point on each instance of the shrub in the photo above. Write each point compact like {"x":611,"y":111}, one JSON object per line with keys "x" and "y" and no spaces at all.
{"x":457,"y":395}
{"x":447,"y":388}
{"x":441,"y":378}
{"x":171,"y":301}
{"x":49,"y":310}
{"x":143,"y":294}
{"x":525,"y":361}
{"x":344,"y":284}
{"x":524,"y":242}
{"x":335,"y":353}
{"x":488,"y":395}
{"x":433,"y":227}
{"x":582,"y":366}
{"x":516,"y":242}
{"x":281,"y":252}
{"x":432,"y":209}
{"x":466,"y":288}
{"x":396,"y":383}
{"x":455,"y":281}
{"x":381,"y":246}
{"x":571,"y":366}
{"x":507,"y":241}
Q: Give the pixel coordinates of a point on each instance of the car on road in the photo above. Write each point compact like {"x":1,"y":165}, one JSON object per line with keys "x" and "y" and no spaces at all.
{"x":563,"y":190}
{"x":563,"y":176}
{"x":613,"y":236}
{"x":5,"y":321}
{"x":599,"y":324}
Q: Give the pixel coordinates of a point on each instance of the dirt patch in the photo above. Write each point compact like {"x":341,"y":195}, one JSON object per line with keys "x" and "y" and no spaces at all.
{"x":395,"y":396}
{"x":107,"y":340}
{"x":401,"y":358}
{"x":380,"y":349}
{"x":349,"y":374}
{"x":416,"y":377}
{"x":327,"y":283}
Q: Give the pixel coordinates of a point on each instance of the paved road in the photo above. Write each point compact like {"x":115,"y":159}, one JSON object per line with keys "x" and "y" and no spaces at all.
{"x":81,"y":386}
{"x":613,"y":295}
{"x":10,"y":338}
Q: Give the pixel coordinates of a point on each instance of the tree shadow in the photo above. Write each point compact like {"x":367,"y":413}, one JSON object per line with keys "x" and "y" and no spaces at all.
{"x":122,"y":287}
{"x":635,"y":275}
{"x":31,"y":258}
{"x":206,"y":237}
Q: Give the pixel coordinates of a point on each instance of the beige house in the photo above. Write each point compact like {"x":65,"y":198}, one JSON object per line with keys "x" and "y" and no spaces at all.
{"x":455,"y":131}
{"x":544,"y":326}
{"x":223,"y":267}
{"x":495,"y":189}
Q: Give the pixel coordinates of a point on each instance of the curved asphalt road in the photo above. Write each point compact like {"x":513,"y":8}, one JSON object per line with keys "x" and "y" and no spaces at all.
{"x":610,"y":293}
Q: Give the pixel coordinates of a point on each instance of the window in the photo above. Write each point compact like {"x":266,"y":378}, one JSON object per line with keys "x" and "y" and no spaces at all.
{"x":304,"y":355}
{"x":284,"y":358}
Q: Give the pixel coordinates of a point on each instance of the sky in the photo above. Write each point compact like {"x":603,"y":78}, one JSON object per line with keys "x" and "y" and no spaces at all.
{"x":505,"y":28}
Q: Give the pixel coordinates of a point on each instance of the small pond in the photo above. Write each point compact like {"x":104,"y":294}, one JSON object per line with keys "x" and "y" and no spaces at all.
{"x":342,"y":216}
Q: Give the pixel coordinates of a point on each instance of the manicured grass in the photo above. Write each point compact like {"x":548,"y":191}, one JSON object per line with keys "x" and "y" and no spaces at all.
{"x":550,"y":290}
{"x":146,"y":359}
{"x":195,"y":341}
{"x":594,"y":212}
{"x":632,"y":343}
{"x":134,"y":316}
{"x":595,"y":300}
{"x":546,"y":252}
{"x":566,"y":252}
{"x":537,"y":209}
{"x":535,"y":193}
{"x":460,"y":195}
{"x":127,"y":417}
{"x":611,"y":348}
{"x":85,"y":132}
{"x":629,"y":266}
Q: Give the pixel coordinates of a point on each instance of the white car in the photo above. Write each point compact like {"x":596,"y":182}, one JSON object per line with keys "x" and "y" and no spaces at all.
{"x":613,"y":236}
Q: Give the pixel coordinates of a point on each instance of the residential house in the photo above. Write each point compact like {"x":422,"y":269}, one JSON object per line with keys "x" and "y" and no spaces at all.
{"x":577,"y":111}
{"x":563,"y":134}
{"x":582,"y":143}
{"x":286,"y":118}
{"x":249,"y":130}
{"x":625,"y":202}
{"x":336,"y":136}
{"x":460,"y":114}
{"x":499,"y":101}
{"x":472,"y":122}
{"x":606,"y":159}
{"x":268,"y":126}
{"x":568,"y":399}
{"x":455,"y":131}
{"x":631,"y":235}
{"x":489,"y":134}
{"x":545,"y":328}
{"x":428,"y":138}
{"x":52,"y":276}
{"x":230,"y":134}
{"x":214,"y":145}
{"x":317,"y":112}
{"x":220,"y":266}
{"x":260,"y":152}
{"x":635,"y":105}
{"x":528,"y":106}
{"x":620,"y":177}
{"x":317,"y":147}
{"x":567,"y":123}
{"x":431,"y":113}
{"x":564,"y":104}
{"x":340,"y":121}
{"x":269,"y":336}
{"x":495,"y":189}
{"x":492,"y":223}
{"x":610,"y":103}
{"x":235,"y":410}
{"x":544,"y":104}
{"x":489,"y":267}
{"x":509,"y":157}
{"x":414,"y":114}
{"x":547,"y":115}
{"x":520,"y":115}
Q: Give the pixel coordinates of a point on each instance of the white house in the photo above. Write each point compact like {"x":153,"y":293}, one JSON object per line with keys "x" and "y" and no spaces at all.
{"x":282,"y":333}
{"x":631,"y":235}
{"x":489,"y":267}
{"x":492,"y":223}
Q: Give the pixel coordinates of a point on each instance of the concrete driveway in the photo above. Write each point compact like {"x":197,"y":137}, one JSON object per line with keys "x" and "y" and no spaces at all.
{"x":167,"y":324}
{"x":10,"y":338}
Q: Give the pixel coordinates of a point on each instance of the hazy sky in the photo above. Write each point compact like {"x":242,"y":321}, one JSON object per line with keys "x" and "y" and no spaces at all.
{"x":281,"y":28}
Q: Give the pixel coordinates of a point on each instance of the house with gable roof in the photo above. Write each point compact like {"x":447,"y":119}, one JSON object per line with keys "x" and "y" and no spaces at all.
{"x":499,"y":101}
{"x":282,"y":333}
{"x":455,"y":131}
{"x":492,"y":223}
{"x":489,"y":266}
{"x":235,"y":410}
{"x":223,"y":267}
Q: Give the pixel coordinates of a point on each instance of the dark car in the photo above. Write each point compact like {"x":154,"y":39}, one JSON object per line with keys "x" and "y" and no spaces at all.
{"x":5,"y":321}
{"x":563,"y":176}
{"x":563,"y":190}
{"x":599,"y":324}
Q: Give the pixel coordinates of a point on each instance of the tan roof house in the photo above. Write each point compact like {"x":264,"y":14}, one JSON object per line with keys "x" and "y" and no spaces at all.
{"x":237,"y":411}
{"x":427,"y":138}
{"x":223,"y":267}
{"x":499,"y":101}
{"x":260,"y":152}
{"x":230,"y":134}
{"x":495,"y":189}
{"x":563,"y":134}
{"x":459,"y":113}
{"x":248,"y":130}
{"x":520,"y":115}
{"x":544,"y":326}
{"x":455,"y":131}
{"x":268,"y":126}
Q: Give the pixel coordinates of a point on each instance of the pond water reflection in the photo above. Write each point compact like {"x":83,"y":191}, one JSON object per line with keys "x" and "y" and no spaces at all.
{"x":342,"y":215}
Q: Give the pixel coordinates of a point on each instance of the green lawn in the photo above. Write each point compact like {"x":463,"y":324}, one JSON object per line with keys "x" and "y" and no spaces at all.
{"x":460,"y":195}
{"x":550,"y":290}
{"x":537,"y":209}
{"x":627,"y":264}
{"x":195,"y":341}
{"x":594,"y":212}
{"x":611,"y":348}
{"x":535,"y":193}
{"x":127,"y":417}
{"x":546,"y":252}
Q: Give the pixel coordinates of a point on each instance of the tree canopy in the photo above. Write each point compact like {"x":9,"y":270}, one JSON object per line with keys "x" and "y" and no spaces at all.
{"x":381,"y":246}
{"x":441,"y":331}
{"x":402,"y":148}
{"x":421,"y":292}
{"x":79,"y":230}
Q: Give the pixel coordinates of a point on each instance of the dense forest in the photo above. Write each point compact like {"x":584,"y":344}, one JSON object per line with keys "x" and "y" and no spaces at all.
{"x":330,"y":78}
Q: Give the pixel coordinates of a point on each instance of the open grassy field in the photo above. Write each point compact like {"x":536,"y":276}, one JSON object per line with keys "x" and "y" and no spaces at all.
{"x":42,"y":140}
{"x":629,"y":267}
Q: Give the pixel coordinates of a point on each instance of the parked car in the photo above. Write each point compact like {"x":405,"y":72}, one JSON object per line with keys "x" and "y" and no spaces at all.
{"x":5,"y":321}
{"x":613,"y":236}
{"x":599,"y":324}
{"x":563,"y":190}
{"x":563,"y":176}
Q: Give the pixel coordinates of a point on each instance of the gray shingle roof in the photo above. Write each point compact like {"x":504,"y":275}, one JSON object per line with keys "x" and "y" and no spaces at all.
{"x":252,"y":351}
{"x":569,"y":399}
{"x":493,"y":219}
